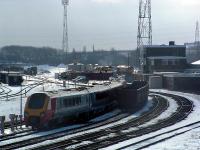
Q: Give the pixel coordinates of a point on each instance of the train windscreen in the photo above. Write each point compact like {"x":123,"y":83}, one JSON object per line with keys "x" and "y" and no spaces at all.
{"x":37,"y":101}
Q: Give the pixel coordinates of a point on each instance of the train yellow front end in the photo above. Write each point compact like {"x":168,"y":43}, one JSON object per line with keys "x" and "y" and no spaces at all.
{"x":37,"y":110}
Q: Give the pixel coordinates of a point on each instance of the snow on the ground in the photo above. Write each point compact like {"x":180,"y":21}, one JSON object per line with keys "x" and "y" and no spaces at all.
{"x":196,"y":62}
{"x":11,"y":107}
{"x":23,"y":128}
{"x":190,"y":136}
{"x":79,"y":144}
{"x":51,"y":70}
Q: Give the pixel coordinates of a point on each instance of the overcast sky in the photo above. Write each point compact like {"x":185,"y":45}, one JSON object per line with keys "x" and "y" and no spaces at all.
{"x":104,"y":23}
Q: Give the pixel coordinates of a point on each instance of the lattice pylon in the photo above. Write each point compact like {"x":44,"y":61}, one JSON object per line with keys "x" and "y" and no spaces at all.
{"x":65,"y":43}
{"x":144,"y":36}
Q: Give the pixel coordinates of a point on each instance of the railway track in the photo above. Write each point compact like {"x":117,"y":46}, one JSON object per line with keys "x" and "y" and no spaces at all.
{"x":55,"y":135}
{"x":23,"y":91}
{"x":147,"y":142}
{"x":111,"y":136}
{"x":63,"y":133}
{"x":155,"y":111}
{"x":90,"y":124}
{"x":108,"y":133}
{"x":4,"y":92}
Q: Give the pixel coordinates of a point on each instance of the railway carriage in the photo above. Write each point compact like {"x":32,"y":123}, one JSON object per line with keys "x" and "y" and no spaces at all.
{"x":46,"y":109}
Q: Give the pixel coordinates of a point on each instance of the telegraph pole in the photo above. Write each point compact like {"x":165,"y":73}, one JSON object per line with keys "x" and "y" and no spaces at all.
{"x":144,"y":36}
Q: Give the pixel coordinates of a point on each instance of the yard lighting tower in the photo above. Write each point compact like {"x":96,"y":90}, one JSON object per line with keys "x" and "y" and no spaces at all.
{"x":65,"y":45}
{"x":144,"y":36}
{"x":197,"y":33}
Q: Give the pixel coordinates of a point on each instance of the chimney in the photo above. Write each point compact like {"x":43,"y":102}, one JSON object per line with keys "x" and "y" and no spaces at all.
{"x":171,"y":43}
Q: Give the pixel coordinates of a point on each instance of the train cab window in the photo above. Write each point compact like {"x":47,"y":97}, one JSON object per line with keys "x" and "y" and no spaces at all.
{"x":65,"y":102}
{"x":37,"y":101}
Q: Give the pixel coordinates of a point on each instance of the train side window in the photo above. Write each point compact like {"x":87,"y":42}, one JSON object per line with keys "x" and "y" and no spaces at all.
{"x":74,"y":101}
{"x":77,"y":101}
{"x":86,"y":99}
{"x":65,"y":102}
{"x":60,"y":103}
{"x":71,"y":102}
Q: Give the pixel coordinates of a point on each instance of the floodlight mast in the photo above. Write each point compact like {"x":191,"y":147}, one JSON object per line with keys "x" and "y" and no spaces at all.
{"x":197,"y":33}
{"x":65,"y":44}
{"x":144,"y":36}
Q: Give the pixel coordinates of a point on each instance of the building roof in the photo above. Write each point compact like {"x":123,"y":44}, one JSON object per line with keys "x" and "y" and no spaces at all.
{"x":166,"y":57}
{"x":92,"y":89}
{"x":164,"y":46}
{"x":185,"y":75}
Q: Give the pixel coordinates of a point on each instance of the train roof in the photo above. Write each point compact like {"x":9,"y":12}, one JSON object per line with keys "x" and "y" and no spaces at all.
{"x":85,"y":90}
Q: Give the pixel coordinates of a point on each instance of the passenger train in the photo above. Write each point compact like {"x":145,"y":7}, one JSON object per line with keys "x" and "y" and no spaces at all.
{"x":45,"y":109}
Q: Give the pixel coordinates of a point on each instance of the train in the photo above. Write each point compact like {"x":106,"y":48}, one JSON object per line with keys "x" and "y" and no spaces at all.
{"x":47,"y":109}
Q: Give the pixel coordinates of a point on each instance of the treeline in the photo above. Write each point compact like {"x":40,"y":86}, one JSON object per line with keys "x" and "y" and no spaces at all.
{"x":46,"y":55}
{"x":27,"y":54}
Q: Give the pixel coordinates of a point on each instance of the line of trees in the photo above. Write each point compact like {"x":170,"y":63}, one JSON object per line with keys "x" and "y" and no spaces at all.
{"x":47,"y":55}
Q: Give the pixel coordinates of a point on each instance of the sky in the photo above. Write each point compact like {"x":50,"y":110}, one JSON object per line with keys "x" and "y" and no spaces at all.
{"x":105,"y":23}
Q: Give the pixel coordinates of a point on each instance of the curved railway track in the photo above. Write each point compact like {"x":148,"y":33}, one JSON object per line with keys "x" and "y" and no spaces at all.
{"x":160,"y":104}
{"x":110,"y":135}
{"x":114,"y":135}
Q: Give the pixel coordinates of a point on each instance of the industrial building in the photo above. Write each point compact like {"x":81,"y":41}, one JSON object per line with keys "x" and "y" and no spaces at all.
{"x":11,"y":78}
{"x":163,"y":58}
{"x":192,"y":51}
